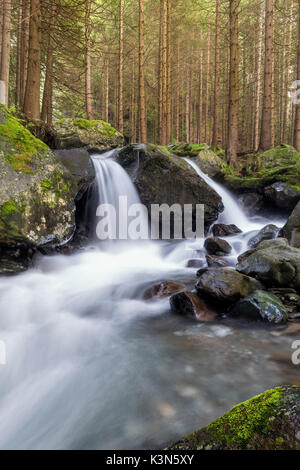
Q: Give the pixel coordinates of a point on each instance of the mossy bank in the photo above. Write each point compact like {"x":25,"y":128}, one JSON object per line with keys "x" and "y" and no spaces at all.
{"x":36,"y":192}
{"x":270,"y":421}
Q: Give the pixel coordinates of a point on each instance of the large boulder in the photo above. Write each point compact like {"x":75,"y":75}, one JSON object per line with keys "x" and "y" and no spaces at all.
{"x":210,"y":164}
{"x":291,"y":230}
{"x":162,"y":178}
{"x":261,"y":305}
{"x":274,"y":263}
{"x":226,"y":284}
{"x":270,"y":421}
{"x":95,"y":135}
{"x":282,"y":195}
{"x":268,"y":232}
{"x":36,"y":193}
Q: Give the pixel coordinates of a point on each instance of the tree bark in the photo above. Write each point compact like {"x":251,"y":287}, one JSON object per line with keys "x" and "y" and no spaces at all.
{"x":142,"y":100}
{"x":32,"y":93}
{"x":258,"y":81}
{"x":121,"y":61}
{"x":267,"y":125}
{"x":206,"y":123}
{"x":5,"y":50}
{"x":24,"y":49}
{"x":215,"y":136}
{"x":47,"y":105}
{"x":297,"y":106}
{"x":233,"y":112}
{"x":88,"y":86}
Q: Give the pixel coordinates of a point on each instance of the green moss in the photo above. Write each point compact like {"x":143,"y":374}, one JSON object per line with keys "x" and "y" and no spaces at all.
{"x":240,"y":425}
{"x":8,"y":208}
{"x":98,"y":126}
{"x":26,"y":147}
{"x":56,"y":185}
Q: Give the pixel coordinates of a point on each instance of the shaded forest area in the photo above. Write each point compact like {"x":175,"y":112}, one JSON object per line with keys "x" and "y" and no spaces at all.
{"x":219,"y":72}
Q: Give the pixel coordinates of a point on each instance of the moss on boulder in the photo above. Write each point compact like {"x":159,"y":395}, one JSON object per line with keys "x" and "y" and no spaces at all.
{"x":270,"y":421}
{"x":36,"y":192}
{"x":97,"y":135}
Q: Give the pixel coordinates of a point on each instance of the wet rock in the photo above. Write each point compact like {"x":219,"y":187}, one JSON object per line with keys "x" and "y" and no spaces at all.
{"x":95,"y":135}
{"x":215,"y":262}
{"x":261,"y":305}
{"x":222,"y":230}
{"x":217,"y":246}
{"x":282,"y":195}
{"x":188,"y":304}
{"x":163,"y":178}
{"x":78,"y":161}
{"x":195,"y":263}
{"x":15,"y":258}
{"x":164,"y":289}
{"x":289,"y":298}
{"x":253,"y":203}
{"x":226,"y":284}
{"x":291,"y":230}
{"x":269,"y":232}
{"x":270,"y":421}
{"x":274,"y":263}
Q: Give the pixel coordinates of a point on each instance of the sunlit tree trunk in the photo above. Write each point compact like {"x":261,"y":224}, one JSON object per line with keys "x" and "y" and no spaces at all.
{"x":217,"y":65}
{"x":297,"y":106}
{"x":259,"y":78}
{"x":5,"y":49}
{"x":142,"y":100}
{"x":121,"y":61}
{"x":46,"y":114}
{"x":88,"y":86}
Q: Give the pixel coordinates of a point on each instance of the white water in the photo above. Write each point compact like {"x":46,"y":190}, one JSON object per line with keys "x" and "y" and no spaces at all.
{"x":90,"y":364}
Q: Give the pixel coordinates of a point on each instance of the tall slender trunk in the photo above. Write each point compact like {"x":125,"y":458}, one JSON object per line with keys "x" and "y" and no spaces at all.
{"x":121,"y":61}
{"x":88,"y":86}
{"x":24,"y":49}
{"x":32,"y":93}
{"x":206,"y":123}
{"x":169,"y":75}
{"x":142,"y":100}
{"x":47,"y":105}
{"x":233,"y":112}
{"x":267,"y":125}
{"x":177,"y":93}
{"x":297,"y":106}
{"x":106,"y":88}
{"x":287,"y":73}
{"x":259,"y":78}
{"x":217,"y":76}
{"x":18,"y":61}
{"x":5,"y":50}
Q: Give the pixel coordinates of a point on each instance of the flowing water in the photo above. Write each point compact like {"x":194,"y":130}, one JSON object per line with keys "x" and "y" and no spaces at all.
{"x":91,"y":365}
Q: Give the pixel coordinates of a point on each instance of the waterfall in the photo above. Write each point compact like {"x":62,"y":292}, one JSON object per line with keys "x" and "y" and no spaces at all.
{"x":233,"y":213}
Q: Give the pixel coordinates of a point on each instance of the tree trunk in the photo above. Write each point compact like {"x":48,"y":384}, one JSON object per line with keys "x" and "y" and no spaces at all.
{"x":142,"y":101}
{"x":206,"y":123}
{"x":5,"y":50}
{"x":32,"y":93}
{"x":24,"y":49}
{"x":19,"y":78}
{"x":48,"y":87}
{"x":297,"y":106}
{"x":258,"y":81}
{"x":88,"y":87}
{"x":121,"y":61}
{"x":287,"y":73}
{"x":267,"y":125}
{"x":233,"y":112}
{"x":215,"y":136}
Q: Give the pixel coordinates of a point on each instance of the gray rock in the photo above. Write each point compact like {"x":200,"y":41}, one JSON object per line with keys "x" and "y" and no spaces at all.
{"x":282,"y":195}
{"x":226,"y":284}
{"x":222,"y":230}
{"x":274,"y":263}
{"x":261,"y":305}
{"x":291,"y":230}
{"x":215,"y":262}
{"x":269,"y":232}
{"x":188,"y":304}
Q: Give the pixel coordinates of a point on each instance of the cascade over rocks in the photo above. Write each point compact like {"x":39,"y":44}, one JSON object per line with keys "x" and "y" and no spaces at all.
{"x":270,"y":421}
{"x":36,"y":195}
{"x":261,"y":305}
{"x":268,"y":232}
{"x":190,"y":305}
{"x":162,"y":178}
{"x":274,"y":263}
{"x":226,"y":284}
{"x":217,"y":246}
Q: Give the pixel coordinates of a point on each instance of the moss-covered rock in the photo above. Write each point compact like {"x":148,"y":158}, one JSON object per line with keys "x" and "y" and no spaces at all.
{"x":261,"y":305}
{"x":36,"y":192}
{"x":187,"y":150}
{"x":97,"y":135}
{"x":270,"y":421}
{"x":163,"y":178}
